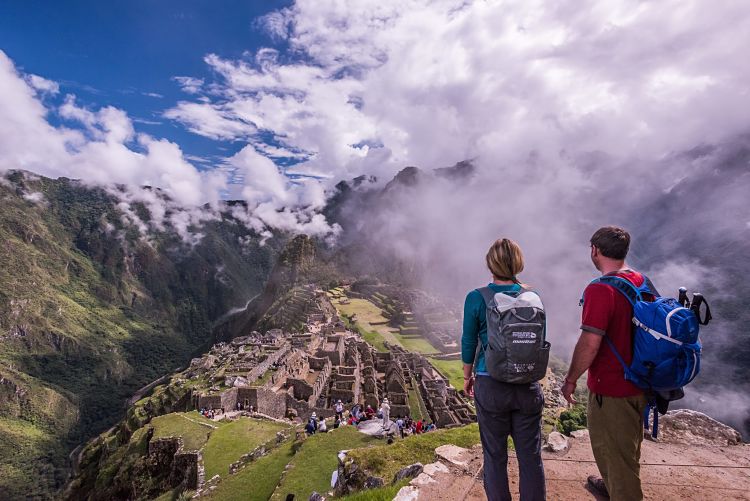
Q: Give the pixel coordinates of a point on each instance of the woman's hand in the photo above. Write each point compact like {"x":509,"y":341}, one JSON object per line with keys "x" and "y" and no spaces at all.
{"x":469,"y":386}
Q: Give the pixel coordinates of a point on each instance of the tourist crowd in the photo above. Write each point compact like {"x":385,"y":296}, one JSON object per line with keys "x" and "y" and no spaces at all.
{"x":405,"y":425}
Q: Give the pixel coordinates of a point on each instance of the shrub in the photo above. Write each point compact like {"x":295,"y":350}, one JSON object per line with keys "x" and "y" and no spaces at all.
{"x":572,"y":419}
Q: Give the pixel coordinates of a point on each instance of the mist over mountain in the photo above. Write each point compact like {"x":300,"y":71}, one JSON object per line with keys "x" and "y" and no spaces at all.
{"x":99,"y":299}
{"x":688,"y":216}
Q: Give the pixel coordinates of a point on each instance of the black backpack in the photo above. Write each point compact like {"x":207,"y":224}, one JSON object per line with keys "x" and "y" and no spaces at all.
{"x":517,"y":350}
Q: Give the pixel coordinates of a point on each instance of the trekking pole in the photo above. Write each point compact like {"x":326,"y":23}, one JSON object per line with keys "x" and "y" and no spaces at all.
{"x":683,"y":298}
{"x":698,"y":300}
{"x":695,"y":304}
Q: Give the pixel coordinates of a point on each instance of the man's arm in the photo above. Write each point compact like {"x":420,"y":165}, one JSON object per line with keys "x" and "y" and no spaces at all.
{"x":583,"y":355}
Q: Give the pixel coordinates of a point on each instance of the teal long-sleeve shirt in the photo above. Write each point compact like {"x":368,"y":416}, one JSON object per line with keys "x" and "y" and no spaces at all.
{"x":475,"y":326}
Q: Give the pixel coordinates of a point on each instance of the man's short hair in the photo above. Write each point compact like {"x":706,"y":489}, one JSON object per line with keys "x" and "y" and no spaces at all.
{"x":613,"y":242}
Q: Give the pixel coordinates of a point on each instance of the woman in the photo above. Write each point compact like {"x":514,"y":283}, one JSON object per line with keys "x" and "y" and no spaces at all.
{"x":503,"y":409}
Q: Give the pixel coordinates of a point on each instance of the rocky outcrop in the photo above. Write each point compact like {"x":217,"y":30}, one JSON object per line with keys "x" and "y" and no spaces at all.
{"x":556,"y":442}
{"x":410,"y":471}
{"x":690,"y":427}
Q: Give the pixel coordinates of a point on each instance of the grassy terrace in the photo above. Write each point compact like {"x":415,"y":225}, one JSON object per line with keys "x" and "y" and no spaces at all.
{"x":191,"y":426}
{"x":311,"y":468}
{"x":385,"y":460}
{"x":222,"y":442}
{"x":264,"y":378}
{"x":416,"y":405}
{"x":373,"y":326}
{"x":230,"y":441}
{"x":381,"y":494}
{"x":452,"y":369}
{"x":257,"y":481}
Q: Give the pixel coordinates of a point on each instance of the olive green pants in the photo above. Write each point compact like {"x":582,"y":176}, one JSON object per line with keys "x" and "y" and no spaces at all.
{"x":616,"y":431}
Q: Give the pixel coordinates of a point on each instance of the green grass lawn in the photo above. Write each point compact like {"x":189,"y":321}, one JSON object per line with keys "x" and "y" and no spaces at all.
{"x":374,"y":338}
{"x":418,"y":410}
{"x":264,"y":378}
{"x":373,"y":326}
{"x":452,"y":369}
{"x":257,"y":481}
{"x":185,"y":425}
{"x":385,"y":460}
{"x":380,"y":494}
{"x":311,"y":468}
{"x":227,"y":443}
{"x":417,"y":344}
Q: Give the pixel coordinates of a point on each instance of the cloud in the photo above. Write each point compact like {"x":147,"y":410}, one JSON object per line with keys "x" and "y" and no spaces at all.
{"x":209,"y":121}
{"x":42,"y":85}
{"x":102,"y":146}
{"x":190,"y":85}
{"x":433,"y":83}
{"x":274,"y":200}
{"x":563,"y":108}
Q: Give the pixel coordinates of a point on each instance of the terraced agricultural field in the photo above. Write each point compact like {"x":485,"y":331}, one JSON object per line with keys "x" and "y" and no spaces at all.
{"x":222,"y":442}
{"x":452,"y":369}
{"x":309,"y":469}
{"x":370,"y":319}
{"x":232,"y":440}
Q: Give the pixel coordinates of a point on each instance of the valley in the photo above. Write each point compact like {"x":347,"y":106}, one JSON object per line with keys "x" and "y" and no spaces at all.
{"x":262,"y":387}
{"x":101,"y":321}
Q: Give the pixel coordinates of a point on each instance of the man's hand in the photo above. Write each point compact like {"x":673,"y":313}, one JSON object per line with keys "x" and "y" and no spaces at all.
{"x":568,"y":388}
{"x":586,"y":349}
{"x":469,"y":386}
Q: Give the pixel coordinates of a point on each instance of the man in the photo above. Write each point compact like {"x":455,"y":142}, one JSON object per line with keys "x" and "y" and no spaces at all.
{"x":615,"y":406}
{"x":400,"y":425}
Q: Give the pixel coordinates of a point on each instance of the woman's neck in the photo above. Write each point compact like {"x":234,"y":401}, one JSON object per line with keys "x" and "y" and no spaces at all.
{"x":497,"y":281}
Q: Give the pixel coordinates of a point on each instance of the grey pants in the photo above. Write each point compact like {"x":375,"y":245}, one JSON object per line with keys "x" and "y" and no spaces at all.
{"x":514,"y":410}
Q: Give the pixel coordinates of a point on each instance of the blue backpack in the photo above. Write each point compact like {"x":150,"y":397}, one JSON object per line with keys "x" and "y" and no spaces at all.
{"x":666,"y":348}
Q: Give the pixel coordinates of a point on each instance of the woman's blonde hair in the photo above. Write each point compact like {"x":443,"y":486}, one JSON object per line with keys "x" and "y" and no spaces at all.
{"x":505,"y":259}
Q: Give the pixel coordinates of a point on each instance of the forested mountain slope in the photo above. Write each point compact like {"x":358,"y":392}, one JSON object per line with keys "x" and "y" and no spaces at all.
{"x":92,"y":308}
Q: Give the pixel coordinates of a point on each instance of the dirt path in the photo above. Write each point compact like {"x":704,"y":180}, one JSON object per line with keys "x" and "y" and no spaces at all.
{"x":668,"y":472}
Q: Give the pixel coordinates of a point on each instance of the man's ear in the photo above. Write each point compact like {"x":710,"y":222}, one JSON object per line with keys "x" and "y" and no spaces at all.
{"x":594,"y":251}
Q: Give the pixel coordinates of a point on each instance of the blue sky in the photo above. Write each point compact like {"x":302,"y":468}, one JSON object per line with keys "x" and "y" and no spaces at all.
{"x":126,"y":53}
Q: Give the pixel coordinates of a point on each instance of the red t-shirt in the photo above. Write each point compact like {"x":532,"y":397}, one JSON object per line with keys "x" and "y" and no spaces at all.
{"x":607,"y":311}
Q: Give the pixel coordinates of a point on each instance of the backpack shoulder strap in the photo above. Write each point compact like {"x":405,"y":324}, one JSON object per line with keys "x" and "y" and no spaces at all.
{"x":648,"y":287}
{"x":627,"y":289}
{"x":487,"y":294}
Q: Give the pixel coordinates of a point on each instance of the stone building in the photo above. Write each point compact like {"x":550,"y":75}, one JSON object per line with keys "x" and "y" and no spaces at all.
{"x":294,"y":374}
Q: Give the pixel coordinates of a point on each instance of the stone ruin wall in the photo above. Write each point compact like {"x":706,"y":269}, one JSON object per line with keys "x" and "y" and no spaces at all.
{"x":183,"y":469}
{"x":350,"y":373}
{"x":321,"y":382}
{"x":396,"y":389}
{"x":337,"y":355}
{"x":208,"y":402}
{"x":272,"y":403}
{"x":369,"y":386}
{"x":301,"y":389}
{"x":262,"y":367}
{"x":345,"y":387}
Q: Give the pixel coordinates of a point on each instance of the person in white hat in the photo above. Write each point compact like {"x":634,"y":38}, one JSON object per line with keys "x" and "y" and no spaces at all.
{"x":312,"y":424}
{"x":385,"y":408}
{"x":339,"y":407}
